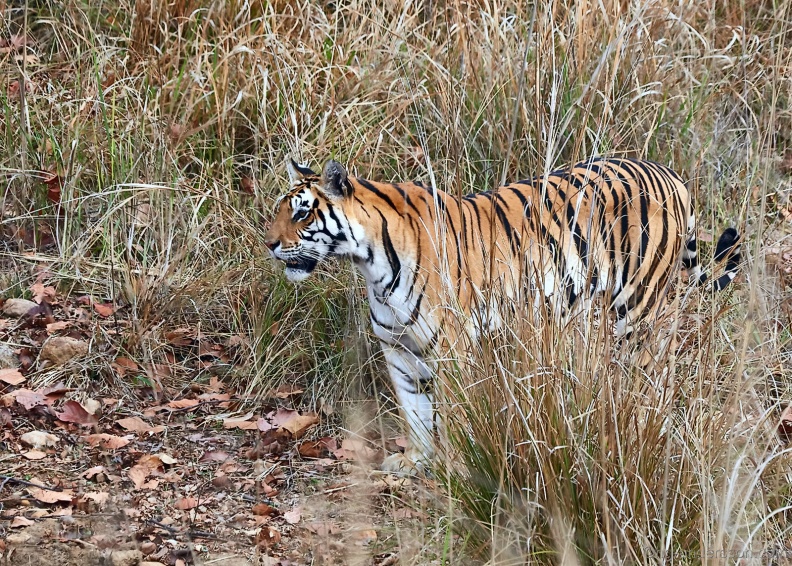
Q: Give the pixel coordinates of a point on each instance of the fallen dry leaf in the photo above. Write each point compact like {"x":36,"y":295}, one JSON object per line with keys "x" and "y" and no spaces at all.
{"x":286,"y":390}
{"x":290,"y":420}
{"x":272,"y":442}
{"x":186,"y":503}
{"x":136,"y":424}
{"x":91,"y":472}
{"x":53,"y":181}
{"x":312,"y":449}
{"x":264,"y":425}
{"x":54,"y":327}
{"x":329,"y":442}
{"x":264,"y":510}
{"x":180,"y":336}
{"x":74,"y":412}
{"x":11,"y":376}
{"x":91,"y":405}
{"x":214,"y":456}
{"x":98,"y":497}
{"x":215,"y":397}
{"x":13,"y":43}
{"x":209,"y":349}
{"x":300,"y":425}
{"x":243,"y":422}
{"x":139,"y":475}
{"x":13,"y":88}
{"x":293,"y":517}
{"x":49,"y":496}
{"x":268,"y":537}
{"x":28,"y":398}
{"x":166,"y":459}
{"x":42,"y":293}
{"x":356,"y":449}
{"x":62,"y":512}
{"x":34,"y":455}
{"x":104,"y":309}
{"x":122,"y":366}
{"x":20,"y":521}
{"x":108,"y":441}
{"x":55,"y":392}
{"x":704,"y":236}
{"x":145,"y":467}
{"x":183,"y":403}
{"x":247,"y":185}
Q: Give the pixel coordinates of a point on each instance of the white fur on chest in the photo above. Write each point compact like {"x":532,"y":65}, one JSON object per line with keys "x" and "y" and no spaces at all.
{"x":392,"y":322}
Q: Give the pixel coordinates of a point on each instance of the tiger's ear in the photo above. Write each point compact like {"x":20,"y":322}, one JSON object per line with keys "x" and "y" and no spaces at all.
{"x":297,"y":171}
{"x":335,"y":181}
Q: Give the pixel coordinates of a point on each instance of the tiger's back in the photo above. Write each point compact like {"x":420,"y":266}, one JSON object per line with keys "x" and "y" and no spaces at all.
{"x":607,"y":225}
{"x":614,"y":226}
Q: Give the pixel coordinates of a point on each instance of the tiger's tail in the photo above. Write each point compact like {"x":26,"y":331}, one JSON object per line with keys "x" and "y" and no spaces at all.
{"x":728,"y":248}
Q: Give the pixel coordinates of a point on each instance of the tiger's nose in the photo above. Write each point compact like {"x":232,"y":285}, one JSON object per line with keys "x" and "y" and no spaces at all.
{"x":271,"y":244}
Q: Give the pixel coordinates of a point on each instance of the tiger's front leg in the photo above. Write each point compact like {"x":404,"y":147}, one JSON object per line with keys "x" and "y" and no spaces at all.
{"x":411,"y":376}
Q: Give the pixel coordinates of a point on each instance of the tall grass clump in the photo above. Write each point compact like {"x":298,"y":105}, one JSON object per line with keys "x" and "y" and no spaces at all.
{"x":561,"y":450}
{"x":140,"y":151}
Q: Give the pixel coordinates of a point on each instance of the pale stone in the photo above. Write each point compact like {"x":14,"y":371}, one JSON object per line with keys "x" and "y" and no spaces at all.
{"x":61,"y":349}
{"x":8,"y":359}
{"x":18,"y":307}
{"x":39,"y":439}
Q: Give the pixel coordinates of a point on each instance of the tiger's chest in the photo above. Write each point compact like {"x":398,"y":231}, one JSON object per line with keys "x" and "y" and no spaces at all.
{"x":396,"y":319}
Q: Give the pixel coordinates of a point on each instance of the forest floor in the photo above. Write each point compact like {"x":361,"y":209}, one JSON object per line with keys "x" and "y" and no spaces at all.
{"x":164,"y":475}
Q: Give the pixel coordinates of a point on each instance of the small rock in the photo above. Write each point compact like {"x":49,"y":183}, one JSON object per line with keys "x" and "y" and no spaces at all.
{"x":18,"y":307}
{"x":8,"y":359}
{"x":38,"y":439}
{"x":61,"y":349}
{"x":126,"y":557}
{"x":16,"y":539}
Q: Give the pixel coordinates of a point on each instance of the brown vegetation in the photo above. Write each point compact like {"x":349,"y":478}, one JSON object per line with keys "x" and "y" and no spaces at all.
{"x":141,"y":151}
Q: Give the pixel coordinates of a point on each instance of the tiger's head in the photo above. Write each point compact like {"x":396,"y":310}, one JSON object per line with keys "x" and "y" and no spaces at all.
{"x":309,"y":223}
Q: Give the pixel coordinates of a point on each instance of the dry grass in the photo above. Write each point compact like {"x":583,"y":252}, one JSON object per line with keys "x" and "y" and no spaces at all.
{"x":167,"y":123}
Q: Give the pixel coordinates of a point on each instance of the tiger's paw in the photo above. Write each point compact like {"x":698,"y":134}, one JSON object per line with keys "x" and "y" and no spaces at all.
{"x":409,"y":464}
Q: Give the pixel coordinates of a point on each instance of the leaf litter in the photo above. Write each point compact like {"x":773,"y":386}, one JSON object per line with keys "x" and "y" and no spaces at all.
{"x":172,"y":471}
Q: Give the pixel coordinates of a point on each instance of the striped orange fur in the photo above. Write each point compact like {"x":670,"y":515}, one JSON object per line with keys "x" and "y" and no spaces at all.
{"x":618,"y":227}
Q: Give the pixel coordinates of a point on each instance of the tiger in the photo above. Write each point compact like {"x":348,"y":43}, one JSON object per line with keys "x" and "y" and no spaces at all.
{"x":612,"y":227}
